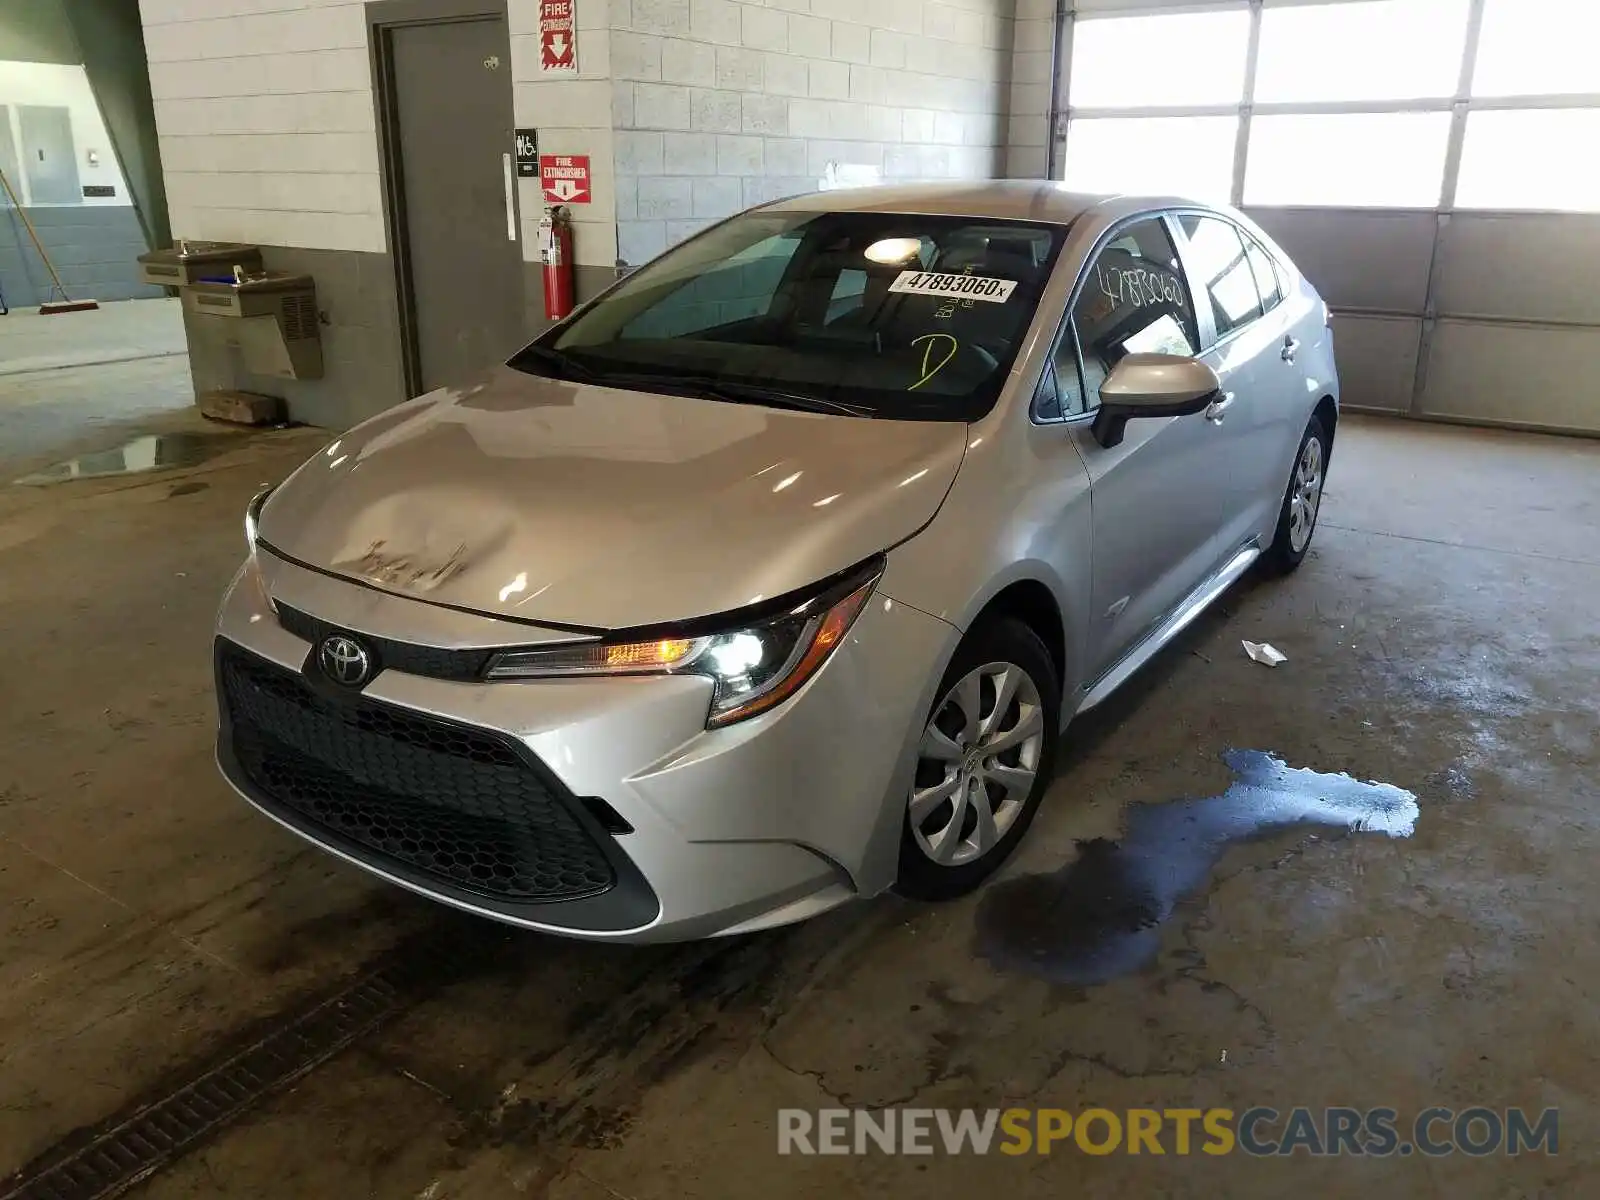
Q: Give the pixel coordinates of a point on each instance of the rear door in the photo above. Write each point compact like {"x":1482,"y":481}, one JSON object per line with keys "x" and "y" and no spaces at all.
{"x":1297,"y":362}
{"x":1156,"y":497}
{"x":1246,"y":347}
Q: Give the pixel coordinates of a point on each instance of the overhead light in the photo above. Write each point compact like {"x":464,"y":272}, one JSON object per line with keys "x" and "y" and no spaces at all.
{"x":894,"y":250}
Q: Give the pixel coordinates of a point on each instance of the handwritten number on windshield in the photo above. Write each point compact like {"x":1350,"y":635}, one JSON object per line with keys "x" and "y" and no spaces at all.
{"x":935,"y":341}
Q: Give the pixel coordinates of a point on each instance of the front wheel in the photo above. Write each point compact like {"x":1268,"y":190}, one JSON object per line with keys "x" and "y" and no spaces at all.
{"x":983,"y":763}
{"x":1297,"y":518}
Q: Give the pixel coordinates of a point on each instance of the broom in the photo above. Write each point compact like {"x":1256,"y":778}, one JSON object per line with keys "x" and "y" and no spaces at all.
{"x":66,"y":303}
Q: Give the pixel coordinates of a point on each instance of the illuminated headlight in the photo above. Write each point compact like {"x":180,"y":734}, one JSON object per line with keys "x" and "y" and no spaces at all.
{"x":753,"y":666}
{"x":252,"y":518}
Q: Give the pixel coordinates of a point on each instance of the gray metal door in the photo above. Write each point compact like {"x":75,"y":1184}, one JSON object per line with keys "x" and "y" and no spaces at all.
{"x":48,"y":155}
{"x":453,"y":125}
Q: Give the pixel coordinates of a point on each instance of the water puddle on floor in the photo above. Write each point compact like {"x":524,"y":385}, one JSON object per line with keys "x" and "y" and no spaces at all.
{"x":1101,"y":915}
{"x":151,"y":452}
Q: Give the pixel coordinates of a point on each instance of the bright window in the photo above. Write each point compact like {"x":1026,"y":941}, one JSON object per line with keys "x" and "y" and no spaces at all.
{"x":1216,"y":254}
{"x":1538,"y":47}
{"x":1269,"y":282}
{"x":1182,"y":156}
{"x":1355,"y":160}
{"x":1379,"y":50}
{"x":1530,"y":159}
{"x":1154,"y":61}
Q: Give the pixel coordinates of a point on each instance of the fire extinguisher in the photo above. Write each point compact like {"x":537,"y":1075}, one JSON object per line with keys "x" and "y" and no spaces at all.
{"x":555,"y":242}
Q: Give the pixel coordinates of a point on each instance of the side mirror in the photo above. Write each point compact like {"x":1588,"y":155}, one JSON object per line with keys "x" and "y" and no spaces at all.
{"x":1152,"y":385}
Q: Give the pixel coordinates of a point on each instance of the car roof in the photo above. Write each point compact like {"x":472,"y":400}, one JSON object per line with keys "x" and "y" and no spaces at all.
{"x":1003,"y":199}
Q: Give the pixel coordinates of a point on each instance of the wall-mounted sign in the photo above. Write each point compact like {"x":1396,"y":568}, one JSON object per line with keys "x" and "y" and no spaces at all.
{"x":565,"y":178}
{"x":558,"y":36}
{"x":99,"y":191}
{"x":527,"y":153}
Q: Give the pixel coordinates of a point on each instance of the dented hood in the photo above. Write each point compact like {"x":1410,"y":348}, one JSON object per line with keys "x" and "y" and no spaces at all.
{"x":570,"y":504}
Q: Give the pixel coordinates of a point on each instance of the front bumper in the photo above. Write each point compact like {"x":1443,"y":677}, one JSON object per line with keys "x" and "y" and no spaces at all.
{"x":768,"y":821}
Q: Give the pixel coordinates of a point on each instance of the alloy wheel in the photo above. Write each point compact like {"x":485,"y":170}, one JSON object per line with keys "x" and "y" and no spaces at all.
{"x":977,"y":763}
{"x":1305,"y":494}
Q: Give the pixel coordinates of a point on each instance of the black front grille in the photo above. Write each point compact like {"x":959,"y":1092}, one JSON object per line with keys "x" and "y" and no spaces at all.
{"x":431,"y":661}
{"x":461,"y":805}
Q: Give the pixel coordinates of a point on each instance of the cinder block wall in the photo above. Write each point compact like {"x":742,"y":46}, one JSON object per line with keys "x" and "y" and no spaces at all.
{"x":718,"y":105}
{"x":1032,"y":60}
{"x":572,"y":113}
{"x":268,"y":135}
{"x":688,"y":109}
{"x":268,"y":132}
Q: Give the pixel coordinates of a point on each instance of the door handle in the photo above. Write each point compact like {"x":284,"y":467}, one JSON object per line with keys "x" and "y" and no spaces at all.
{"x":1290,"y":348}
{"x":511,"y":199}
{"x":1218,"y":408}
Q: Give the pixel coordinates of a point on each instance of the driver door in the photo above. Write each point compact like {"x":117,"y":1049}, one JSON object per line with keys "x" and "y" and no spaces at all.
{"x":1157,"y":497}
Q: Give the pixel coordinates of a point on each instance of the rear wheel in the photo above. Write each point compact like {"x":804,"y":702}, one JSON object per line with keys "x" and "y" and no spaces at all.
{"x":1297,"y":518}
{"x":983,"y":763}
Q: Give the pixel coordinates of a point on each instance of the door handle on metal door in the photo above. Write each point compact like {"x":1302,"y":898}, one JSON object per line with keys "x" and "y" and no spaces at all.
{"x":1291,"y":347}
{"x":1218,"y":409}
{"x":511,"y":198}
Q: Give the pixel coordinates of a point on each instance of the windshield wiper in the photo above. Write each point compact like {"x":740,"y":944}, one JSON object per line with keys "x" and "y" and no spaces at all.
{"x":711,"y":388}
{"x":564,"y":365}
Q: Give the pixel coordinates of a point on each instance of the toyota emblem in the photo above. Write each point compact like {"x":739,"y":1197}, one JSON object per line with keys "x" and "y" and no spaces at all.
{"x":344,"y":660}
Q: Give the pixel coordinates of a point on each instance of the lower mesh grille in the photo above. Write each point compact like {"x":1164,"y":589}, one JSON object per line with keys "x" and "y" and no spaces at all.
{"x":461,"y":805}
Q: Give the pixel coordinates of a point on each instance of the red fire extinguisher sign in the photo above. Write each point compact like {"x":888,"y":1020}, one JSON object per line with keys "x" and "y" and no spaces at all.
{"x":565,"y":178}
{"x":558,"y":36}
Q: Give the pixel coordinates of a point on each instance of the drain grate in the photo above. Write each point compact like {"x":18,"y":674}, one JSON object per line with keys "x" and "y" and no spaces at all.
{"x":130,"y":1148}
{"x":130,"y":1152}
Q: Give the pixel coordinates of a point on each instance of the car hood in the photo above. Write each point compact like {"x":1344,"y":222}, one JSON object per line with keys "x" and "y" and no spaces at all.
{"x":569,"y":504}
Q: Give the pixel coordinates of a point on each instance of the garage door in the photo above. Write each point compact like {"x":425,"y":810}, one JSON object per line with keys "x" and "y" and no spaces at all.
{"x":1427,"y":163}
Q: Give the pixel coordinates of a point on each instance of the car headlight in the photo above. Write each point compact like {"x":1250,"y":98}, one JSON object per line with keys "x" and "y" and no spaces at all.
{"x":252,"y":517}
{"x":754,"y":664}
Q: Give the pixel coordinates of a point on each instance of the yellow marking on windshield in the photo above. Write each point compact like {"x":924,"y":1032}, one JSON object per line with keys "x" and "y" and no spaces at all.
{"x":927,"y":356}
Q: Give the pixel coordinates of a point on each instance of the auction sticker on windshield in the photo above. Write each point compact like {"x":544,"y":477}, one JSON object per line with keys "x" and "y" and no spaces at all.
{"x":962,"y":287}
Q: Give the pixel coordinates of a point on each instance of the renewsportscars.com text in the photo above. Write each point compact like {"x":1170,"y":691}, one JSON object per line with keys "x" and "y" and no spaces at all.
{"x":1259,"y":1132}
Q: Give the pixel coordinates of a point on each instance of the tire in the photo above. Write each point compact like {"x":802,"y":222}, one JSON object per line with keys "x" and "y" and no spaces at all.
{"x":1302,"y":502}
{"x":938,"y":859}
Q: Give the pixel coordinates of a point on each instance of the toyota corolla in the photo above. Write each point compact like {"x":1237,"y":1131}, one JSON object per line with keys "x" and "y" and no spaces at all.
{"x":771,"y":578}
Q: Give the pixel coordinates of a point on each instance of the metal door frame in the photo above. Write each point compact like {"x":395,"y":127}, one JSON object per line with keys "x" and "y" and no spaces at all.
{"x":383,"y":17}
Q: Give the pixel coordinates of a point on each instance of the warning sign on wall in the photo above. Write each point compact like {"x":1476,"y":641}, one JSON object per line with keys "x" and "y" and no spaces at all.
{"x":558,"y":36}
{"x":565,"y":178}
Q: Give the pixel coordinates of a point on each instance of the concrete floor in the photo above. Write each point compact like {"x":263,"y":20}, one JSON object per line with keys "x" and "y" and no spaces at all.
{"x":1444,"y":637}
{"x":79,"y":378}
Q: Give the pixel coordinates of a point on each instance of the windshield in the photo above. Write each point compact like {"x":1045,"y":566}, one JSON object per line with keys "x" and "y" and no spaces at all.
{"x":875,"y":314}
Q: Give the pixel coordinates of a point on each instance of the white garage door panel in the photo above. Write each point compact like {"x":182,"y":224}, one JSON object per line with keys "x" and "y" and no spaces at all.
{"x":1377,"y":359}
{"x":1528,"y":267}
{"x":1336,"y":248}
{"x":1515,"y":375}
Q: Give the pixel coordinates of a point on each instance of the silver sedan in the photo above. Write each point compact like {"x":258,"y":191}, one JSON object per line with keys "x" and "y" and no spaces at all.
{"x":772,"y":577}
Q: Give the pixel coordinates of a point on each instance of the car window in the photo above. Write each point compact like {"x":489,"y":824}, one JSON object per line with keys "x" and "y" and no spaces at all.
{"x":1215,"y":254}
{"x":1132,"y":299}
{"x":1269,"y":276}
{"x":1061,"y":388}
{"x":895,"y":315}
